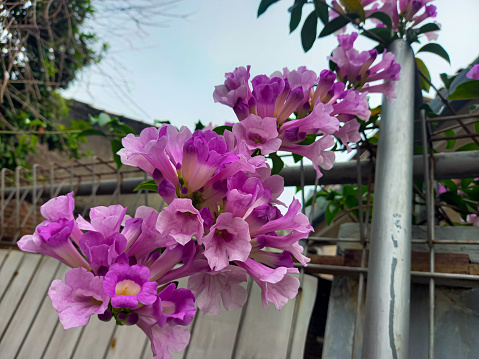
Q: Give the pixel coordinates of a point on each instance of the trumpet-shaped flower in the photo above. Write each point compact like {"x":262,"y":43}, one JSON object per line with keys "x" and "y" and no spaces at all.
{"x":181,"y":221}
{"x":228,"y":240}
{"x":211,"y":288}
{"x":102,"y":252}
{"x":127,"y":286}
{"x":53,"y":239}
{"x":78,"y":298}
{"x":276,"y":285}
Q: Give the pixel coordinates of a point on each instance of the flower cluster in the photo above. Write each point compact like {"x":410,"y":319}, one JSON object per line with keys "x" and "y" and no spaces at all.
{"x":321,"y":105}
{"x":357,"y":69}
{"x":409,"y":14}
{"x":222,"y":221}
{"x":221,"y":224}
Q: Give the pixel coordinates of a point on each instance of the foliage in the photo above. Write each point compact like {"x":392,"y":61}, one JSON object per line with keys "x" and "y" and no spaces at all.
{"x":43,"y":48}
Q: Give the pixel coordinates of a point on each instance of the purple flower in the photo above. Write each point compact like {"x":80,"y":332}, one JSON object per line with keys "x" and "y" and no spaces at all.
{"x":352,"y":104}
{"x":127,"y":286}
{"x":273,"y":260}
{"x":234,"y":88}
{"x":215,"y":287}
{"x":356,"y":68}
{"x":265,"y":92}
{"x":300,"y":79}
{"x":262,"y":215}
{"x":255,"y":133}
{"x":473,"y":73}
{"x":62,"y":207}
{"x":163,"y":340}
{"x":406,"y":14}
{"x":292,"y":220}
{"x":349,"y":132}
{"x":317,"y":152}
{"x":173,"y":306}
{"x":105,"y":220}
{"x":181,"y":221}
{"x":52,"y":239}
{"x":288,"y":243}
{"x":148,"y":151}
{"x":318,"y":121}
{"x":78,"y":298}
{"x":149,"y":238}
{"x":162,"y":268}
{"x":228,"y":240}
{"x":244,"y":194}
{"x":276,"y":285}
{"x":102,"y":252}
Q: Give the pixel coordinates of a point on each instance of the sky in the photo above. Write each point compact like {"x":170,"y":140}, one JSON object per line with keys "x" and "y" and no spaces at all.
{"x":167,"y":69}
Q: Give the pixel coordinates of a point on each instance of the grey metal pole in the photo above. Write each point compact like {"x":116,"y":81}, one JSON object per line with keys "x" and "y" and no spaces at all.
{"x":386,"y":327}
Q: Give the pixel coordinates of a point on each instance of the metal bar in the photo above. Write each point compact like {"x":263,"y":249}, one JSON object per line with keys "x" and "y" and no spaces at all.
{"x":452,"y":127}
{"x":386,"y":326}
{"x":2,"y":204}
{"x":453,"y":118}
{"x":429,"y":187}
{"x":362,"y":238}
{"x":446,"y":138}
{"x":34,"y":193}
{"x":17,"y":200}
{"x":447,"y":166}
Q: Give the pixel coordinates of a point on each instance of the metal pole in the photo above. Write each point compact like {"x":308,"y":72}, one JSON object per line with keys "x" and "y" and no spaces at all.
{"x":386,"y":327}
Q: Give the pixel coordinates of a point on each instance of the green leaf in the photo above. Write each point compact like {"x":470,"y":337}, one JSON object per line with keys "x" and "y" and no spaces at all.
{"x":199,"y":126}
{"x":349,"y":190}
{"x":383,"y":33}
{"x":428,"y":28}
{"x":91,"y":132}
{"x":308,"y":32}
{"x":278,"y":163}
{"x":115,"y":147}
{"x":412,"y":35}
{"x":465,"y":182}
{"x":476,"y":127}
{"x":383,"y":17}
{"x":436,"y":49}
{"x":147,"y":186}
{"x":334,"y":25}
{"x":297,"y":157}
{"x":221,"y":129}
{"x":296,"y":13}
{"x":466,"y":91}
{"x":469,"y":147}
{"x":103,"y":119}
{"x":322,"y":10}
{"x":264,"y":5}
{"x":331,"y":212}
{"x":161,"y":122}
{"x":126,"y":129}
{"x":351,"y":201}
{"x":354,"y":7}
{"x":423,"y":69}
{"x":450,"y":143}
{"x":37,"y":122}
{"x":447,"y":80}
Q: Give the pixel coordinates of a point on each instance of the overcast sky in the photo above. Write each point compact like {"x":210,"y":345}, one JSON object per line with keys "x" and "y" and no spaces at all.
{"x":168,"y":71}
